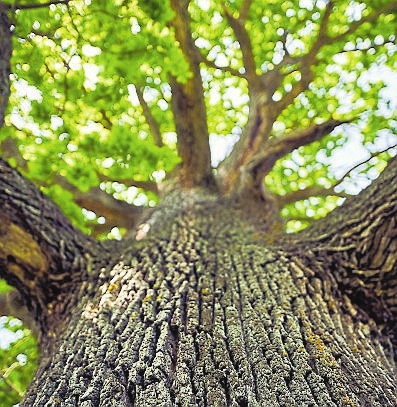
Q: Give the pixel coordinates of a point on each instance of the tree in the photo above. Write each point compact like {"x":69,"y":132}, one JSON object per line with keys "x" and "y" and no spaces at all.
{"x":206,"y":300}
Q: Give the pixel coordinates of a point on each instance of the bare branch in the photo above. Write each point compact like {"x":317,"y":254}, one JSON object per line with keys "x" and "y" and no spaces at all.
{"x":129,"y":182}
{"x":150,"y":120}
{"x":212,"y":64}
{"x":308,"y":192}
{"x":317,"y":190}
{"x":244,"y":40}
{"x":116,"y":212}
{"x":375,"y":154}
{"x":264,"y":161}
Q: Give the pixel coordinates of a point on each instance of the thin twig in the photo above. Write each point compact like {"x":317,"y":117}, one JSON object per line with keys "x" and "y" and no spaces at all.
{"x":212,"y":64}
{"x":150,"y":119}
{"x":375,"y":154}
{"x":314,"y":190}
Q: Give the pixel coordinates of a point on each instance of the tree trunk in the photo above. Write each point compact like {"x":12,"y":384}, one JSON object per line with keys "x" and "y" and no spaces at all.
{"x":203,"y":311}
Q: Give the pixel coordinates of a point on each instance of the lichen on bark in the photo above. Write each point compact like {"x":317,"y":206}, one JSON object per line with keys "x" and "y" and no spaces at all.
{"x":203,"y":313}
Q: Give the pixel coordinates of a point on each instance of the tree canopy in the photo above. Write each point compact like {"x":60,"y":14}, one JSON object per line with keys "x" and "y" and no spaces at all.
{"x":109,"y":99}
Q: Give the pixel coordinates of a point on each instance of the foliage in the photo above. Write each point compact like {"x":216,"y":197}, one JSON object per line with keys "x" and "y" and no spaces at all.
{"x":18,"y":357}
{"x":17,"y":361}
{"x":91,"y":83}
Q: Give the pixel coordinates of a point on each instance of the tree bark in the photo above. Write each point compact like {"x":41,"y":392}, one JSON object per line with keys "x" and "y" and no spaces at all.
{"x":204,"y":311}
{"x":5,"y":56}
{"x":41,"y":253}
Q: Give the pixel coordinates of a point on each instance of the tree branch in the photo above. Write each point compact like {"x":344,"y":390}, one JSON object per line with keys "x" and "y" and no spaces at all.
{"x":41,"y":253}
{"x":307,"y":61}
{"x":368,"y":19}
{"x":9,"y":149}
{"x":188,"y":107}
{"x":116,"y":212}
{"x":359,"y":240}
{"x":314,"y":190}
{"x":212,"y":64}
{"x":150,"y":120}
{"x":375,"y":154}
{"x":244,"y":9}
{"x":257,"y":131}
{"x":263,"y":112}
{"x":244,"y":40}
{"x":262,"y":163}
{"x":130,"y":182}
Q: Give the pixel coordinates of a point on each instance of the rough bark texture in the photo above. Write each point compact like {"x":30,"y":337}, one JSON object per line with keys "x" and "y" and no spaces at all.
{"x":41,"y":253}
{"x":189,"y":110}
{"x":202,"y":311}
{"x":5,"y":56}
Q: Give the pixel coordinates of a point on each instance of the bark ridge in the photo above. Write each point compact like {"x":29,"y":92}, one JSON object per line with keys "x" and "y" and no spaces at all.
{"x":203,"y":314}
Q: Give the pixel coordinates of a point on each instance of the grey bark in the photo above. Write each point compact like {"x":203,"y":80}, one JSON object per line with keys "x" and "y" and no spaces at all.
{"x":5,"y":56}
{"x":205,"y":312}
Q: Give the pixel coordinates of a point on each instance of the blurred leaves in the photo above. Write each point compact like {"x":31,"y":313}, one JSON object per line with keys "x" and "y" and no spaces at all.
{"x":74,"y":112}
{"x":18,"y":360}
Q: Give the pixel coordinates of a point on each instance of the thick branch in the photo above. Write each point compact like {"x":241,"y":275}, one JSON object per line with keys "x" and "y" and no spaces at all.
{"x":263,"y":112}
{"x":116,"y":212}
{"x":41,"y":253}
{"x":150,"y":120}
{"x":9,"y":149}
{"x":189,"y":109}
{"x":5,"y":56}
{"x":360,"y":241}
{"x":244,"y":10}
{"x":264,"y":161}
{"x":308,"y":192}
{"x":255,"y":136}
